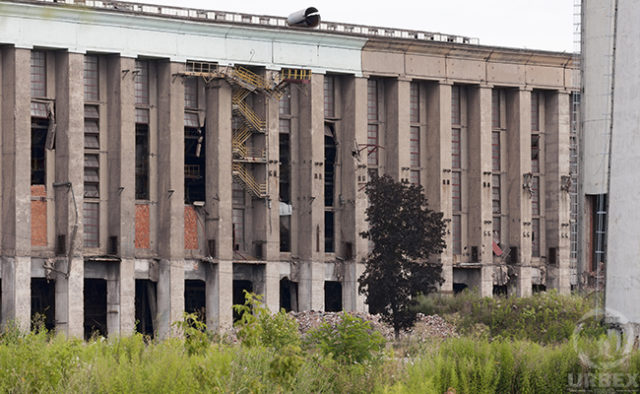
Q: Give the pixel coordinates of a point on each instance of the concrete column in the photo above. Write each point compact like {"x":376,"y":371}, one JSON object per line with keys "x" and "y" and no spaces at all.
{"x":218,"y":222}
{"x":479,"y":181}
{"x":557,"y":203}
{"x":354,"y":177}
{"x":519,"y":159}
{"x":69,"y":203}
{"x":170,"y":196}
{"x":121,"y":161}
{"x":438,"y":187}
{"x":272,"y":286}
{"x":16,"y":191}
{"x":311,"y":196}
{"x":396,"y":147}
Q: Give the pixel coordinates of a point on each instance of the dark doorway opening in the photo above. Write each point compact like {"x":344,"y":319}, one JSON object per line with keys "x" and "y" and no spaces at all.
{"x":332,"y":296}
{"x":538,"y":288}
{"x":146,"y":307}
{"x":239,"y":287}
{"x":288,"y":295}
{"x":195,"y":300}
{"x":500,"y":290}
{"x":95,"y":307}
{"x":459,"y":287}
{"x":43,"y":303}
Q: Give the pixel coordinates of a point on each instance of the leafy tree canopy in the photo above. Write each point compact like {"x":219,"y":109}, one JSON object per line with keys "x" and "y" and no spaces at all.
{"x":405,"y":233}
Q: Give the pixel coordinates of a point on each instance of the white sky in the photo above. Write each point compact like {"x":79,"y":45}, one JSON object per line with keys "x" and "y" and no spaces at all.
{"x":533,"y":24}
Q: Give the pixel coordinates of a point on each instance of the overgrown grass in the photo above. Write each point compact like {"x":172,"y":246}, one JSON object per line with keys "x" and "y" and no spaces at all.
{"x":545,"y":318}
{"x":348,"y":357}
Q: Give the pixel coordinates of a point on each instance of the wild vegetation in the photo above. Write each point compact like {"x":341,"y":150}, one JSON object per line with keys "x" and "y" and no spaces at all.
{"x":507,"y":355}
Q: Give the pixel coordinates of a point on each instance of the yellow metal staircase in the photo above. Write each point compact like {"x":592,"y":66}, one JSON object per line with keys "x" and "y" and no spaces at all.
{"x":246,"y":82}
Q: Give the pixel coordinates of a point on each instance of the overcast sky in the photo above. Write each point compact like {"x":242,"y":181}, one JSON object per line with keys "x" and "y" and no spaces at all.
{"x":533,"y":24}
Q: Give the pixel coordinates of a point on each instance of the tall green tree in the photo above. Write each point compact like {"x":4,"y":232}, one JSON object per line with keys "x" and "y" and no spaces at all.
{"x":405,"y":234}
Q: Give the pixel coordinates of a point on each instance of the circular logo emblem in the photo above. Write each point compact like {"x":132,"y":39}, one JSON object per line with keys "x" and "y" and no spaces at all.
{"x":608,"y":352}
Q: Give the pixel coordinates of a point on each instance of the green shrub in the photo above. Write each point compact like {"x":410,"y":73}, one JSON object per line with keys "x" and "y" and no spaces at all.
{"x":545,"y":318}
{"x":259,"y":327}
{"x":350,"y":341}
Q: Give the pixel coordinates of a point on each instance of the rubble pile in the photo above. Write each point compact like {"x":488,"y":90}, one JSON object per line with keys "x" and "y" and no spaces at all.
{"x":425,"y":327}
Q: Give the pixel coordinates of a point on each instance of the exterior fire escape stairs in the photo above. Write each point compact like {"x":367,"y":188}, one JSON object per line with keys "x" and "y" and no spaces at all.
{"x":249,"y":123}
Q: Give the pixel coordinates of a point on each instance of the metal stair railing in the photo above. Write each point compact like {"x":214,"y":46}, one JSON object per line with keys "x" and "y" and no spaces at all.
{"x":259,"y":190}
{"x":249,"y":77}
{"x":250,"y":116}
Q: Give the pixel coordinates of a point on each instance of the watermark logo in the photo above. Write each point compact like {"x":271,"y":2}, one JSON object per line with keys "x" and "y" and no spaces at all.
{"x":604,"y":353}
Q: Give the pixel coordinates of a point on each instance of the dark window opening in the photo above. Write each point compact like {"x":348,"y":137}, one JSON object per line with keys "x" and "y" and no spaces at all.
{"x":38,"y":159}
{"x":288,"y":295}
{"x":329,"y":236}
{"x":332,"y":296}
{"x":239,"y":287}
{"x":195,"y":300}
{"x":95,"y":308}
{"x":285,"y":233}
{"x":459,"y":287}
{"x":600,"y":232}
{"x":285,"y":168}
{"x":194,"y":165}
{"x":329,"y":165}
{"x":43,"y":303}
{"x":142,"y":161}
{"x":146,"y":307}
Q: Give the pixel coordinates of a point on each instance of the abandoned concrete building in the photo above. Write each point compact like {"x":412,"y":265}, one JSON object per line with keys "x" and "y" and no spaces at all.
{"x":177,"y":157}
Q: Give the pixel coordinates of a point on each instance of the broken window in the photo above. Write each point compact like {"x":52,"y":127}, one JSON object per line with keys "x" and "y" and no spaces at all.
{"x":329,"y":233}
{"x":373,"y":122}
{"x":142,"y":161}
{"x":239,"y":288}
{"x":38,"y":74}
{"x":141,"y":82}
{"x":329,"y":165}
{"x":191,"y":93}
{"x":288,"y":295}
{"x":456,"y":167}
{"x":39,"y":127}
{"x":194,"y":161}
{"x":329,"y":96}
{"x":285,"y":167}
{"x":95,"y":308}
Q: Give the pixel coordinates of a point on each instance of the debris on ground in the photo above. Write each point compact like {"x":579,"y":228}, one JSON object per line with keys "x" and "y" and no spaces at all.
{"x":426,"y":326}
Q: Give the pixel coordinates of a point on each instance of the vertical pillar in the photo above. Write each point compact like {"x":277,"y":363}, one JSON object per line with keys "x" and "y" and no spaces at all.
{"x":272,"y":246}
{"x":396,"y":147}
{"x":519,"y":151}
{"x":16,"y":201}
{"x":170,"y":196}
{"x":311,"y":196}
{"x":557,"y":205}
{"x":121,"y":181}
{"x":353,"y":179}
{"x":218,"y":222}
{"x":438,"y":187}
{"x":479,"y":181}
{"x":68,"y":199}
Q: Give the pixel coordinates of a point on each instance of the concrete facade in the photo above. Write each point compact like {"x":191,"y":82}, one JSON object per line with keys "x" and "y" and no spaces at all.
{"x":197,"y":112}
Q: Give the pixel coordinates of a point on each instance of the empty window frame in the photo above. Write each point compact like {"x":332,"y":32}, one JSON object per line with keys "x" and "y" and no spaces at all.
{"x":237,"y":219}
{"x":38,"y":74}
{"x":142,"y":155}
{"x":91,"y":218}
{"x":39,"y":127}
{"x":285,"y":147}
{"x":91,"y":79}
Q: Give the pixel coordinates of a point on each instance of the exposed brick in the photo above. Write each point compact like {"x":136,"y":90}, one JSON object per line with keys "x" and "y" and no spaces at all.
{"x":190,"y":228}
{"x":38,"y":216}
{"x":142,"y":240}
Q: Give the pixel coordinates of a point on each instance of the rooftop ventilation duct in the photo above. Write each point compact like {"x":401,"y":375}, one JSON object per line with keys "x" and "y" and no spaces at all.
{"x":308,"y":17}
